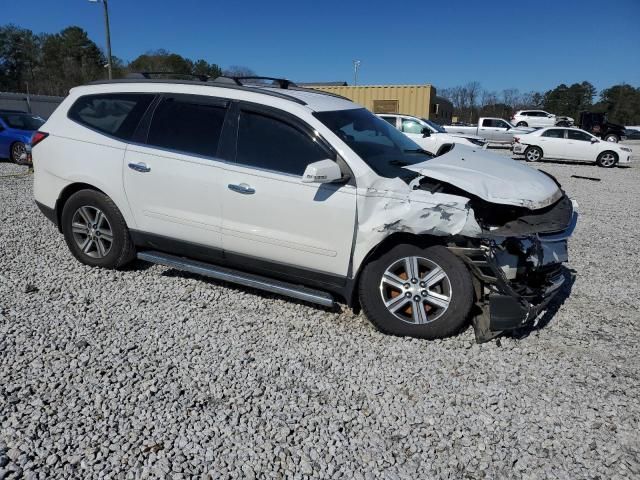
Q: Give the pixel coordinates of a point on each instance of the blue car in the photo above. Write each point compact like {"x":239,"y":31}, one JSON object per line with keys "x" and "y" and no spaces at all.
{"x":16,"y":129}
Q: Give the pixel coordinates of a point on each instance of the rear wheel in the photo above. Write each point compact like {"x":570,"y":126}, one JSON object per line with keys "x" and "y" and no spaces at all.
{"x":612,"y":137}
{"x":417,"y":292}
{"x":607,"y":159}
{"x":533,"y":154}
{"x":95,"y":230}
{"x":17,"y":149}
{"x":522,"y":124}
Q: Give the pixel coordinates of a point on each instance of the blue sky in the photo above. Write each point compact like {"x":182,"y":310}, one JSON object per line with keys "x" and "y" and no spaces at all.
{"x":532,"y":45}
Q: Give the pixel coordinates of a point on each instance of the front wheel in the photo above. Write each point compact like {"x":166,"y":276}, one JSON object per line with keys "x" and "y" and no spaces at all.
{"x":417,"y":292}
{"x":607,"y":159}
{"x":17,"y":150}
{"x":533,"y":154}
{"x":522,"y":124}
{"x":612,"y":138}
{"x":95,"y":231}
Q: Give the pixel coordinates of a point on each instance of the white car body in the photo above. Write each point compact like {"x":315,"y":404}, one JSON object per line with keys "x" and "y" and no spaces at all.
{"x":538,"y":118}
{"x":570,"y":144}
{"x":438,"y":138}
{"x":493,"y":129}
{"x":317,"y":228}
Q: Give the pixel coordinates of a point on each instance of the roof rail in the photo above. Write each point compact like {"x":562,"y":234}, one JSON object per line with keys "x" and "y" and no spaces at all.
{"x":149,"y":75}
{"x":280,"y":82}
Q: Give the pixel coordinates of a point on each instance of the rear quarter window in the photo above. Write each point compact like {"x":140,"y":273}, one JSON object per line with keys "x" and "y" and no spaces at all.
{"x":115,"y":114}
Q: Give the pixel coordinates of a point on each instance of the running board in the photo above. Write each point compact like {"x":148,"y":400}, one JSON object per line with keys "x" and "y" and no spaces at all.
{"x":241,"y":278}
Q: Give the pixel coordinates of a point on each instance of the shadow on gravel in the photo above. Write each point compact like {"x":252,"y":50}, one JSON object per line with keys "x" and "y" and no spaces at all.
{"x":171,"y":272}
{"x":552,"y":308}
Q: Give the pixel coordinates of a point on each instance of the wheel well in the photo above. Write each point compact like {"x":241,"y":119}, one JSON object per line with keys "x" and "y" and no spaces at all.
{"x":386,"y":244}
{"x":609,"y":151}
{"x":66,"y":194}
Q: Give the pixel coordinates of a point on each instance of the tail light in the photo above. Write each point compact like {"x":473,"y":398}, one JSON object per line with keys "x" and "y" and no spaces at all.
{"x":26,"y":158}
{"x":37,"y":137}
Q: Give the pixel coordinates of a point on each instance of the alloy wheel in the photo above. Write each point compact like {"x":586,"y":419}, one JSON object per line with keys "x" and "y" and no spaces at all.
{"x":608,"y":160}
{"x":533,"y":155}
{"x":92,"y":232}
{"x":17,"y":150}
{"x":416,"y":290}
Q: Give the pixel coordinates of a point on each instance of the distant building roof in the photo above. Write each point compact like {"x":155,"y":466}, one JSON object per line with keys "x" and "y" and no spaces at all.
{"x":322,"y":84}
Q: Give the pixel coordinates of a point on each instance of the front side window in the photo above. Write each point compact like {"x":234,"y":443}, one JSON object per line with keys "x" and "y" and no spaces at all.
{"x":411,"y":126}
{"x":490,"y":122}
{"x":391,"y":120}
{"x":186,"y":125}
{"x":115,"y":114}
{"x":380,"y":146}
{"x":554,"y":133}
{"x":578,"y":135}
{"x":271,"y":144}
{"x":22,"y":121}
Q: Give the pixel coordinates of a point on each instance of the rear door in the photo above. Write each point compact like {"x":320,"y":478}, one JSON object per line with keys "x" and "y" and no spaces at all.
{"x":553,"y":143}
{"x":270,"y":215}
{"x":173,"y":176}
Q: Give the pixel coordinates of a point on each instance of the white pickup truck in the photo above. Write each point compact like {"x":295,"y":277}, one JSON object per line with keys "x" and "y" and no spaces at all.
{"x":495,"y":130}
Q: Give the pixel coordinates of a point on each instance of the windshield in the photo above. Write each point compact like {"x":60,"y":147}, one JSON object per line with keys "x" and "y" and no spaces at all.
{"x":22,"y":121}
{"x":438,"y":128}
{"x":382,"y":147}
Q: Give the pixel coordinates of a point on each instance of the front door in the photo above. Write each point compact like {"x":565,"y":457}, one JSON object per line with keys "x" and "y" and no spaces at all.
{"x":580,"y":146}
{"x":173,"y":180}
{"x":495,"y":130}
{"x":269,"y":213}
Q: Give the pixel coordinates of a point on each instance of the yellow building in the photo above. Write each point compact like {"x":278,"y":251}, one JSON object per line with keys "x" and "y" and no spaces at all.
{"x":417,"y":100}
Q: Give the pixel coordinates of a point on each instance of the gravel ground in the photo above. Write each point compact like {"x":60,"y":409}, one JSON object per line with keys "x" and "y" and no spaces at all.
{"x":152,"y":373}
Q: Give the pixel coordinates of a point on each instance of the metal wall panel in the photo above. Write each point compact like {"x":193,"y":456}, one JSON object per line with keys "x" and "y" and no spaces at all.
{"x":412,"y":99}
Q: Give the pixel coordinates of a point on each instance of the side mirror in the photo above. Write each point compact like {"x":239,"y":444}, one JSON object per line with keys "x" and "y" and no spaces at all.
{"x":594,"y":140}
{"x":324,"y":171}
{"x":426,"y":132}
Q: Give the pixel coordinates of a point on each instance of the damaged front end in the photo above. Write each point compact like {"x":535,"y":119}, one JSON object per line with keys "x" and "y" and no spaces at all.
{"x":517,"y":265}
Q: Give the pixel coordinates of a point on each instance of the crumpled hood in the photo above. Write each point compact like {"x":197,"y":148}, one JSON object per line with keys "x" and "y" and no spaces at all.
{"x":464,"y":135}
{"x":491,"y":177}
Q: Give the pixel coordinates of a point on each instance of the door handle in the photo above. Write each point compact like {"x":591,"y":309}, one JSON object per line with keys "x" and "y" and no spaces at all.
{"x":140,"y":167}
{"x":242,"y":188}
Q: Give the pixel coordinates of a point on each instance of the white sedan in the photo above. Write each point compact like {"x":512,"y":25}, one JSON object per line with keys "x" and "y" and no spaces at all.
{"x":570,"y":144}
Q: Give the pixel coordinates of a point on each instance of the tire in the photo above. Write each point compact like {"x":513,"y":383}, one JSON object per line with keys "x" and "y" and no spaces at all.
{"x":436,"y":317}
{"x":612,"y":137}
{"x":607,"y":159}
{"x":17,"y":149}
{"x":533,"y":154}
{"x":562,"y":123}
{"x":96,"y":246}
{"x":522,"y":124}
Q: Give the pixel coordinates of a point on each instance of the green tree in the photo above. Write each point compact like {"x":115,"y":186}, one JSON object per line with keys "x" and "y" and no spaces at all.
{"x":19,"y":57}
{"x":621,"y":103}
{"x":570,"y":100}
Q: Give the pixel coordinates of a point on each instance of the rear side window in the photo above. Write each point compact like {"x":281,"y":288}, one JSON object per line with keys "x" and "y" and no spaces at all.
{"x":271,"y":144}
{"x":554,"y":133}
{"x":187,"y":126}
{"x":115,"y":114}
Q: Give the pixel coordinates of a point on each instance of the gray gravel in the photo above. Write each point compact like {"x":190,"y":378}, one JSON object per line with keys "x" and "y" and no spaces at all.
{"x":151,"y":373}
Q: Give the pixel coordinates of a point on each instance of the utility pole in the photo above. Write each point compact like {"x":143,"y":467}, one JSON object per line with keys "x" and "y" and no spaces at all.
{"x":356,"y":67}
{"x":106,"y":22}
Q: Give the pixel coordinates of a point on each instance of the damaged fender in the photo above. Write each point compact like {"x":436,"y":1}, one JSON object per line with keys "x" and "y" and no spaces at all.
{"x":390,"y":206}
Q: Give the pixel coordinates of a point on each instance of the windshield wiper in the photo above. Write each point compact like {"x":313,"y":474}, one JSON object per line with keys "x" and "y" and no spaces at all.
{"x":418,"y":150}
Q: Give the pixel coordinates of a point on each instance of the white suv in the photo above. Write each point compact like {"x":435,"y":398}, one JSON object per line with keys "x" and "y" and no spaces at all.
{"x":539,"y":118}
{"x":429,"y":135}
{"x":305,"y":194}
